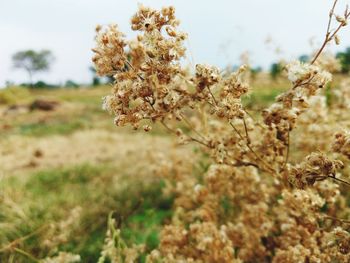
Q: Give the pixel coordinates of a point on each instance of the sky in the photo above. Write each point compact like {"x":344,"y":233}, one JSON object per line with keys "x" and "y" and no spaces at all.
{"x":219,"y":31}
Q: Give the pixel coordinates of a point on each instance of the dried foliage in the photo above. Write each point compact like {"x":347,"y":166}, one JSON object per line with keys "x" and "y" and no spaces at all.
{"x":258,"y":201}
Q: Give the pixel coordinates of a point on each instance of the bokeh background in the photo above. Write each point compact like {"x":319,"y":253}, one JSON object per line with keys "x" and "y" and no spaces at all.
{"x":64,"y":166}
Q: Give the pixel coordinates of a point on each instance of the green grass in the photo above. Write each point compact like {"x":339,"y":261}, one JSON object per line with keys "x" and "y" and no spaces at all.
{"x":14,"y":95}
{"x":49,"y":196}
{"x":263,"y":96}
{"x":58,"y":123}
{"x":52,"y":128}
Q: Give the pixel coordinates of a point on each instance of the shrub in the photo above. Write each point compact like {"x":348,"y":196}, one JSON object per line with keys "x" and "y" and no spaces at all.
{"x":258,"y":201}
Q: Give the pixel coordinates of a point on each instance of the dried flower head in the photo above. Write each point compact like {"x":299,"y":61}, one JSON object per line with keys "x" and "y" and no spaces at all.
{"x":341,"y":143}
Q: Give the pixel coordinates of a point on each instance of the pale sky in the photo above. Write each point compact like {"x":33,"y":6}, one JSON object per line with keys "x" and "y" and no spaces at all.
{"x":219,"y":31}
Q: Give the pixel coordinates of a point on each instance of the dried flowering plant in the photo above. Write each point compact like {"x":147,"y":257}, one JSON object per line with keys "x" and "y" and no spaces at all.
{"x":258,"y":201}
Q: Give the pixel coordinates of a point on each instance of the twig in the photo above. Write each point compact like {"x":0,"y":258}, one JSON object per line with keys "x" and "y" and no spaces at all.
{"x":287,"y":152}
{"x":339,"y":180}
{"x":199,"y":141}
{"x":296,"y":85}
{"x":212,"y":95}
{"x":251,"y":149}
{"x":21,"y":239}
{"x":190,"y":137}
{"x":246,"y":131}
{"x":337,"y":219}
{"x":242,"y":163}
{"x":191,"y":127}
{"x":24,"y":253}
{"x":256,"y":122}
{"x":150,"y":103}
{"x":167,"y":127}
{"x":330,"y":36}
{"x":331,"y":12}
{"x":122,"y":218}
{"x":132,"y":67}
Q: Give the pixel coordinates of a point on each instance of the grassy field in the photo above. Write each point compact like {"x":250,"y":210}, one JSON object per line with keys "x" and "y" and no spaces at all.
{"x":63,"y":171}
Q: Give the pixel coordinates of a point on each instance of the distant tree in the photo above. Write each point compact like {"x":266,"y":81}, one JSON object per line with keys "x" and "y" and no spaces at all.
{"x":275,"y":70}
{"x":110,"y":79}
{"x":33,"y":61}
{"x":344,"y":58}
{"x":40,"y":85}
{"x":95,"y":79}
{"x":71,"y":84}
{"x":9,"y":83}
{"x":255,"y":71}
{"x":304,"y":58}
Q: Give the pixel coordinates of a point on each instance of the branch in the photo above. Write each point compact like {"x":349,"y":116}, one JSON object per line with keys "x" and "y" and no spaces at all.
{"x":24,"y":253}
{"x":191,"y":127}
{"x":339,"y":180}
{"x":270,"y":169}
{"x":246,"y":131}
{"x":212,"y":95}
{"x":330,"y":36}
{"x":21,"y":239}
{"x":190,"y":137}
{"x":287,"y":152}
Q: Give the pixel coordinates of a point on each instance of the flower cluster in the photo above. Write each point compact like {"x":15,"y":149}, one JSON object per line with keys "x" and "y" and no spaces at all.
{"x":254,"y":201}
{"x":315,"y":167}
{"x":341,"y":143}
{"x":307,"y":80}
{"x":109,"y":51}
{"x":148,"y":76}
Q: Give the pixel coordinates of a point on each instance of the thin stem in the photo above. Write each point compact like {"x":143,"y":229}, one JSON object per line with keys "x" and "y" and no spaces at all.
{"x":192,"y":138}
{"x":330,"y":36}
{"x":251,"y":149}
{"x":246,"y":131}
{"x":199,"y":141}
{"x":21,"y":239}
{"x":24,"y":253}
{"x":296,"y":85}
{"x":250,"y":116}
{"x":331,"y":12}
{"x":191,"y":127}
{"x":132,"y":67}
{"x":242,"y":163}
{"x":167,"y":127}
{"x":237,"y":131}
{"x":339,"y":180}
{"x":212,"y":95}
{"x":326,"y":40}
{"x":287,"y":152}
{"x":150,"y":103}
{"x":337,"y":219}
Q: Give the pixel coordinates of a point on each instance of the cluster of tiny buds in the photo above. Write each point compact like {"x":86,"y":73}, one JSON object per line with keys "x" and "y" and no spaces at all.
{"x":235,"y":203}
{"x":341,"y":143}
{"x":316,"y":167}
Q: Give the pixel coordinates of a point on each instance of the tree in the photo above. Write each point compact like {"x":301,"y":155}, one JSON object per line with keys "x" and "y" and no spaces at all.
{"x":344,"y":58}
{"x":304,"y":58}
{"x":96,"y":81}
{"x":255,"y":71}
{"x":33,"y":61}
{"x":276,"y":70}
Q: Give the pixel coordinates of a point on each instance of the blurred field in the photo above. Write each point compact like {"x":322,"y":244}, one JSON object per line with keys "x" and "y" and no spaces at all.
{"x":63,"y":171}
